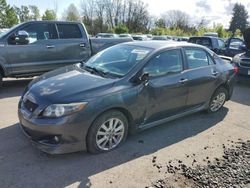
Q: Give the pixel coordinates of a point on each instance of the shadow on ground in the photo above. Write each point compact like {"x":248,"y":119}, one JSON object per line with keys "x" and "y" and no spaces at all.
{"x":242,"y":93}
{"x":21,"y":165}
{"x":13,"y":88}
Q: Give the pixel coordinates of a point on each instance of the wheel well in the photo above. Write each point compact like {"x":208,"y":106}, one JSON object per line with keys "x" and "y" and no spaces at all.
{"x":226,"y":87}
{"x":125,"y":112}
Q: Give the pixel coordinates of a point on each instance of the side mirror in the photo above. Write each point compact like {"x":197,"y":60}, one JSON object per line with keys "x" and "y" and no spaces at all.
{"x":22,"y":38}
{"x":144,"y":78}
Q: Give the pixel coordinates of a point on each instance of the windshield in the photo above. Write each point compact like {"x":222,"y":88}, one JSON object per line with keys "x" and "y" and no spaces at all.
{"x":117,"y":61}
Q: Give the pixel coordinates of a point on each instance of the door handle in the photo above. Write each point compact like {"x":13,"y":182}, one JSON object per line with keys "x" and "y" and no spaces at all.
{"x":50,"y":46}
{"x":82,"y":45}
{"x":183,"y":80}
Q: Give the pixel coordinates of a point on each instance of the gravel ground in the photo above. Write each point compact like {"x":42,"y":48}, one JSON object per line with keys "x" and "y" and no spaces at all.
{"x":189,"y":140}
{"x":231,"y":170}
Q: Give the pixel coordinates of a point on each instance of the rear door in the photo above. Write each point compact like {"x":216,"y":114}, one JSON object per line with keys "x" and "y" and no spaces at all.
{"x":36,"y":56}
{"x":73,"y":44}
{"x":202,"y":76}
{"x":166,"y":92}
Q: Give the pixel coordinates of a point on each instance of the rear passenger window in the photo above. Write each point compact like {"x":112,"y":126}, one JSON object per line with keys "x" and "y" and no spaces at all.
{"x":69,"y":31}
{"x":196,"y":58}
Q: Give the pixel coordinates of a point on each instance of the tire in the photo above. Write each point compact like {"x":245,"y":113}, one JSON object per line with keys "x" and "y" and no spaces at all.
{"x":102,"y":137}
{"x":218,"y":100}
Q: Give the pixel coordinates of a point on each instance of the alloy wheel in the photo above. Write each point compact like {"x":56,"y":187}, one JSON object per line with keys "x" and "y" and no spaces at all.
{"x":110,"y":134}
{"x":217,"y":102}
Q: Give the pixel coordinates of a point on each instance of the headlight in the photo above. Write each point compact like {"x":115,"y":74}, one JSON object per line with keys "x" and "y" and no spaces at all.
{"x":236,"y":59}
{"x":59,"y":110}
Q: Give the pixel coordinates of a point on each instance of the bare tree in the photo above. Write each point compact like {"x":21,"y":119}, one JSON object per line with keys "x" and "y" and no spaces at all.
{"x":88,"y":13}
{"x":176,"y":19}
{"x":72,"y":14}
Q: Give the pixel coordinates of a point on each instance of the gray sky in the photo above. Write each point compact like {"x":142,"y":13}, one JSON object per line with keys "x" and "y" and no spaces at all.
{"x":217,"y":11}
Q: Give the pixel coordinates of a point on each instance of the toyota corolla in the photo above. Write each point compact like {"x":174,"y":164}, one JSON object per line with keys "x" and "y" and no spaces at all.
{"x":129,"y":87}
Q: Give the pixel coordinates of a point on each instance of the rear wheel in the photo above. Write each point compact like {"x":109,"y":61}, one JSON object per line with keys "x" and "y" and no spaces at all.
{"x":218,"y":100}
{"x":107,"y":132}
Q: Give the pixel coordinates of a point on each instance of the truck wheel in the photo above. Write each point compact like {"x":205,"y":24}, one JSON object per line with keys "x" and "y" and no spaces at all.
{"x":107,"y":132}
{"x":218,"y":99}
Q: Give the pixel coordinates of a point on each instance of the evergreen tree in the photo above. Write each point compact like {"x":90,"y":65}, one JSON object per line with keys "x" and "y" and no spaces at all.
{"x":8,"y":17}
{"x":239,"y":19}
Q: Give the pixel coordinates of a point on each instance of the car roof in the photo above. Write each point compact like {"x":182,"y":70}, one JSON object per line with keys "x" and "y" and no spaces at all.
{"x":204,"y":37}
{"x":162,"y":44}
{"x":53,"y":21}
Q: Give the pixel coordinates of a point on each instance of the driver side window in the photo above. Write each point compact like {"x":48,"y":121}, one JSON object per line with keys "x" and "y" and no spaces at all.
{"x":36,"y":31}
{"x":165,"y":63}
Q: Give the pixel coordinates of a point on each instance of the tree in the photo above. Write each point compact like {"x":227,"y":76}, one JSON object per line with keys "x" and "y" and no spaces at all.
{"x":8,"y":18}
{"x":176,"y":19}
{"x":88,"y":13}
{"x":35,"y":14}
{"x":121,"y":28}
{"x":72,"y":13}
{"x":160,"y":23}
{"x":22,"y":13}
{"x":49,"y":15}
{"x":239,"y":18}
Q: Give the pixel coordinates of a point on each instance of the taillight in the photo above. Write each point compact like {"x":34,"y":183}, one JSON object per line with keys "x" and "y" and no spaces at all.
{"x":236,"y":69}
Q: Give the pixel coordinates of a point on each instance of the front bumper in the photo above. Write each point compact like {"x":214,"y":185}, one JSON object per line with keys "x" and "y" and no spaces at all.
{"x":55,"y":136}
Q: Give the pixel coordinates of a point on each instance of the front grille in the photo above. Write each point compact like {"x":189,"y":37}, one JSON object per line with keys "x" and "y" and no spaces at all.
{"x":245,"y":65}
{"x":245,"y":60}
{"x":30,"y":106}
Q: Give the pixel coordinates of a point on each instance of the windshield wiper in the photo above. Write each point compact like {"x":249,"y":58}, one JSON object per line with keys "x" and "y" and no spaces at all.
{"x":94,"y":70}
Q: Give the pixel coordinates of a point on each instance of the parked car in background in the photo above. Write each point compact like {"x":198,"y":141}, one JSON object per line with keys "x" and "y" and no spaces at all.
{"x":106,"y":35}
{"x":140,"y":37}
{"x":211,"y":34}
{"x":183,"y":39}
{"x":126,"y":36}
{"x":162,"y":37}
{"x":234,"y":46}
{"x":242,"y":61}
{"x":35,"y":47}
{"x":127,"y":87}
{"x":230,"y":48}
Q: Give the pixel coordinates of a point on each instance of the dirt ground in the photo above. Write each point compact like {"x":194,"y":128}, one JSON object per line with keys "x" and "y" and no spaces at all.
{"x":22,"y":165}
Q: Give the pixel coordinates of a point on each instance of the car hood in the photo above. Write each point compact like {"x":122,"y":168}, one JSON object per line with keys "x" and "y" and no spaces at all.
{"x":69,"y":84}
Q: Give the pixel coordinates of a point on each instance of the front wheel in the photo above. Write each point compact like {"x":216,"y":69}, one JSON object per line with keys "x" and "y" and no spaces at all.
{"x":107,"y":132}
{"x":218,"y":100}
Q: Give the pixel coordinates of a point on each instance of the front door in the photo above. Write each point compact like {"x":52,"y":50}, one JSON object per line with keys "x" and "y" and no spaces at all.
{"x":166,"y":90}
{"x":38,"y":55}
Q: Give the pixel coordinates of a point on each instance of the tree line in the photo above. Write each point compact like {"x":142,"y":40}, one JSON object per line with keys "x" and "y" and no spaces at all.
{"x":123,"y":16}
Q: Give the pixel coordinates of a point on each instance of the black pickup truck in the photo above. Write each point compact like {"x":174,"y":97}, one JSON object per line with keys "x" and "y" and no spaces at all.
{"x":242,"y":60}
{"x":229,"y":48}
{"x":35,"y":47}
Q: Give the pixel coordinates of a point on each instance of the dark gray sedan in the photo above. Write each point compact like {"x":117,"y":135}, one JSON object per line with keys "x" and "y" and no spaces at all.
{"x":129,"y":87}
